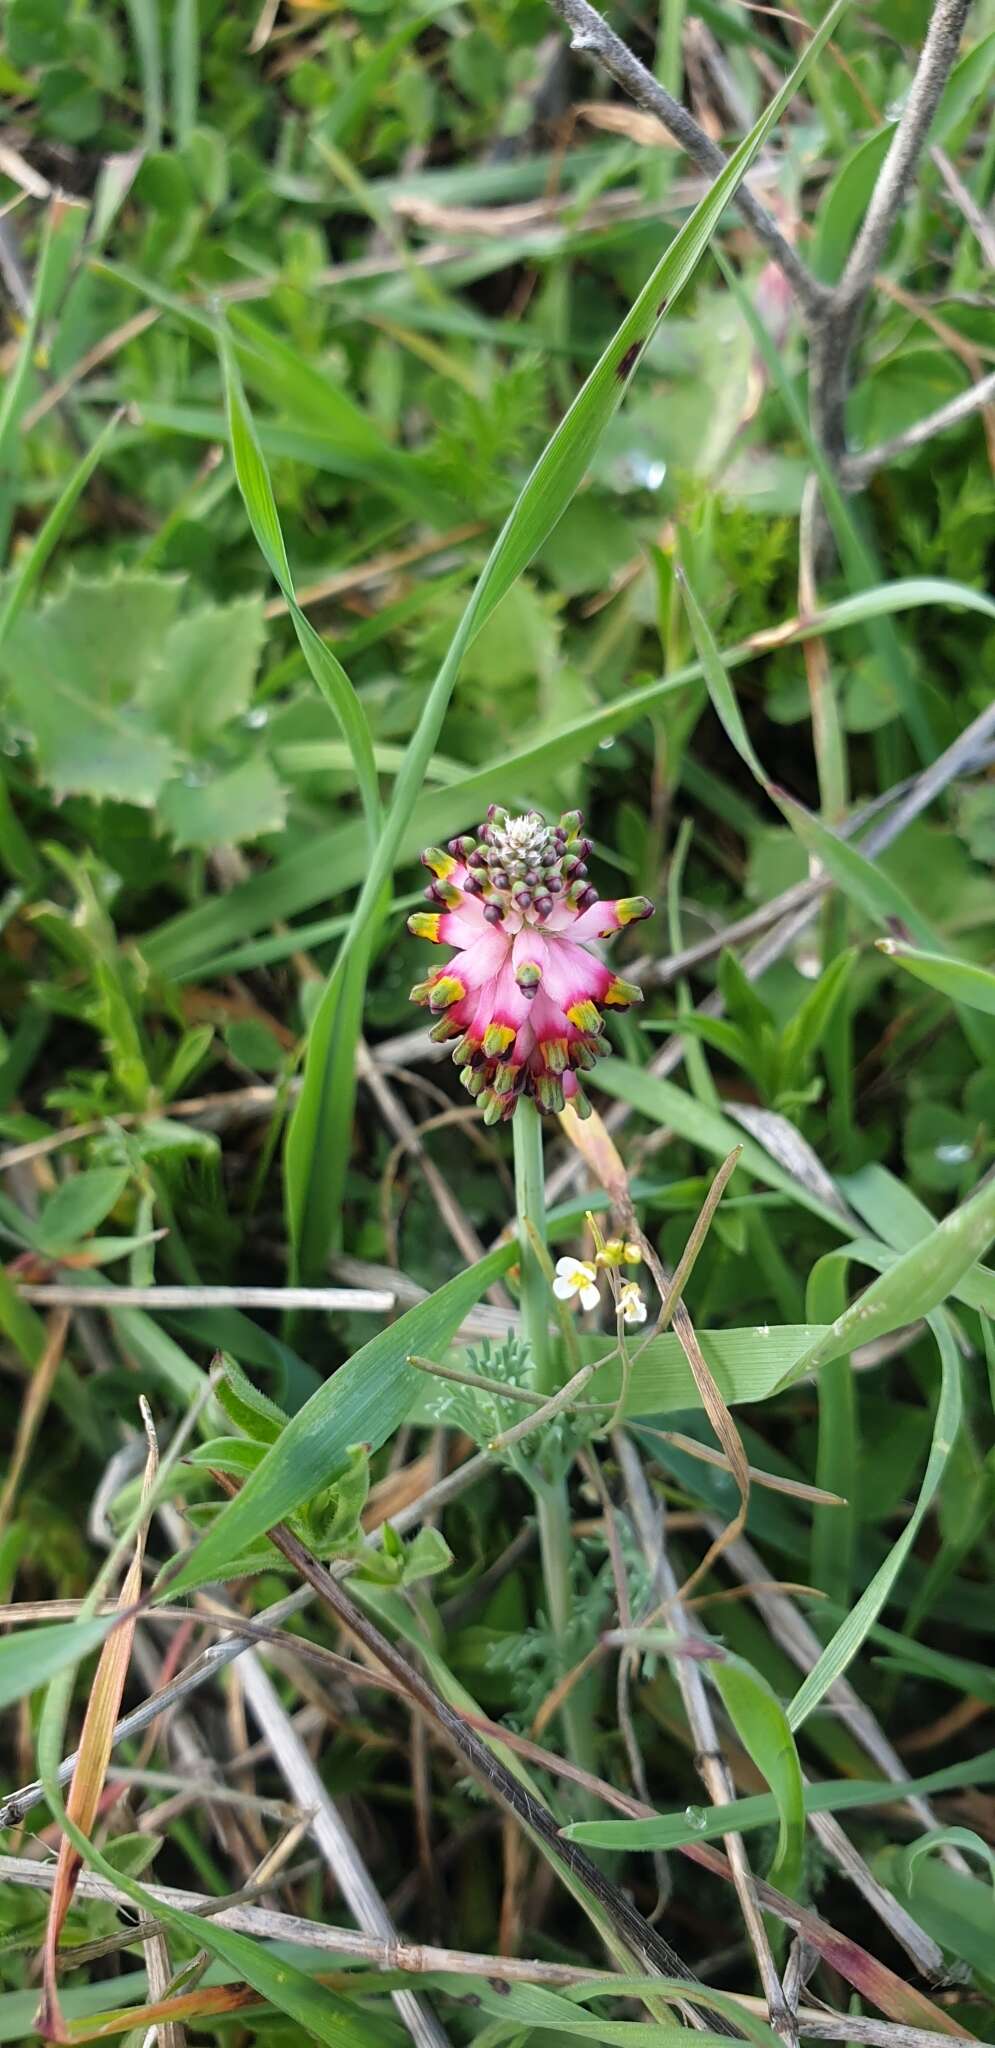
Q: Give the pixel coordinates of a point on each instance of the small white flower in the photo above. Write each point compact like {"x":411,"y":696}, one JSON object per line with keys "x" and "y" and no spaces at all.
{"x":575,"y":1276}
{"x":631,"y":1302}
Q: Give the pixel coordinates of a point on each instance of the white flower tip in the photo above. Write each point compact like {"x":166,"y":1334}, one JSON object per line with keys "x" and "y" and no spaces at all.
{"x":589,"y":1297}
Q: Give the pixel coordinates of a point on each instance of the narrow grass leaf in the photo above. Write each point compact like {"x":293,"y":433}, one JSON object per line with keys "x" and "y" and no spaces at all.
{"x":962,"y":980}
{"x":319,"y":1140}
{"x":532,"y":2005}
{"x":763,"y":1728}
{"x":875,"y":893}
{"x":185,"y":79}
{"x":861,"y":881}
{"x":33,"y":1656}
{"x":898,"y":1217}
{"x":746,"y":1364}
{"x":61,"y":234}
{"x":146,"y":30}
{"x":759,"y":1810}
{"x":852,"y":1632}
{"x":363,"y":1402}
{"x":939,"y":1838}
{"x":257,"y":495}
{"x":720,"y":690}
{"x":32,"y":562}
{"x":320,"y":2013}
{"x":708,"y":1129}
{"x":915,"y":1283}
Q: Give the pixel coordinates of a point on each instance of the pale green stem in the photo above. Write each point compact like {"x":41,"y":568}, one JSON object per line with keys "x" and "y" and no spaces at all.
{"x":551,"y":1498}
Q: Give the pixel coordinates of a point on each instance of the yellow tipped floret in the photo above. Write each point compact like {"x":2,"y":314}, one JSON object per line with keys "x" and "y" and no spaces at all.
{"x":497,"y":1039}
{"x":444,"y":990}
{"x":622,"y":993}
{"x":584,"y":1016}
{"x":424,"y":924}
{"x":440,"y":864}
{"x":629,"y":909}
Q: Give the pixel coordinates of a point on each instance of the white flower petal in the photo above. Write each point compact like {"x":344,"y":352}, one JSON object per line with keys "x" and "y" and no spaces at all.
{"x":566,"y":1266}
{"x":589,"y":1296}
{"x":563,"y":1288}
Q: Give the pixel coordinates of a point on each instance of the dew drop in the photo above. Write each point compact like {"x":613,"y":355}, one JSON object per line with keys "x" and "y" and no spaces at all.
{"x":953,"y":1155}
{"x":696,"y":1818}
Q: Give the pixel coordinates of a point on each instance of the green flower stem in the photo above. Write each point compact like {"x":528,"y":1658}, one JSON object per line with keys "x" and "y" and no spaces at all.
{"x":530,"y":1203}
{"x":552,"y":1503}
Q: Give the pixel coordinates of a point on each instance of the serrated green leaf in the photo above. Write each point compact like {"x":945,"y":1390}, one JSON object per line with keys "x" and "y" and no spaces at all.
{"x":206,"y":672}
{"x":200,"y":808}
{"x":74,"y":667}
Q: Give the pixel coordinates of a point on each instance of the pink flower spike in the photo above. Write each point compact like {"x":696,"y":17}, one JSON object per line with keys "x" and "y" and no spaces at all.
{"x":525,"y":992}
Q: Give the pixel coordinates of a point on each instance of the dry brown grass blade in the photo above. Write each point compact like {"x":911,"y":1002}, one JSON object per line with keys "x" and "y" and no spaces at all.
{"x":95,"y":1746}
{"x":165,"y":2014}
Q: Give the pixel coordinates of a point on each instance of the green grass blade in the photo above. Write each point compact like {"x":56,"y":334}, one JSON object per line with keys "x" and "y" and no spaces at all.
{"x":673,"y":1830}
{"x":61,"y":235}
{"x":861,"y":881}
{"x":260,"y":504}
{"x":747,"y":1364}
{"x":853,"y":1631}
{"x":185,"y":69}
{"x":720,"y":689}
{"x":362,"y":1403}
{"x":146,"y":30}
{"x":874,"y":892}
{"x":901,"y":1220}
{"x":664,"y":1103}
{"x":917,"y":1282}
{"x":762,"y":1726}
{"x":963,"y":980}
{"x":32,"y":1656}
{"x":30,"y":566}
{"x":316,"y":1158}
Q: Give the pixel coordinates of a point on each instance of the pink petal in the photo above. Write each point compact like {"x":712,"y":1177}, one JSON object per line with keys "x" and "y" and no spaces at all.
{"x":573,"y":975}
{"x":596,"y":923}
{"x":484,"y":959}
{"x":460,"y":929}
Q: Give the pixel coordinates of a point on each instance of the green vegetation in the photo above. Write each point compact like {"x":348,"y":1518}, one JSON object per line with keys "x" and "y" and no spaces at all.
{"x":397,"y":422}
